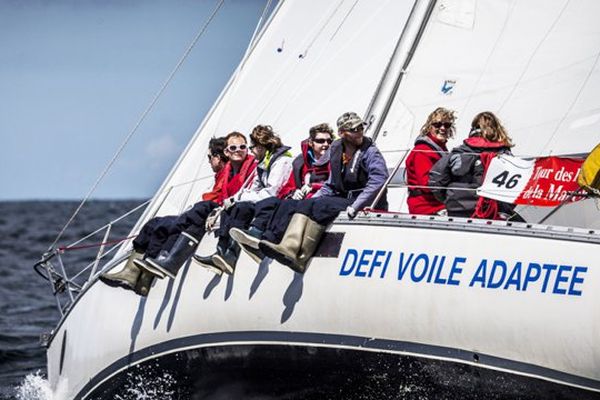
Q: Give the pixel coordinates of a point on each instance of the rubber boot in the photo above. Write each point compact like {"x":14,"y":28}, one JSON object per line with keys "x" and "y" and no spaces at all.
{"x":183,"y":248}
{"x":287,"y":251}
{"x":127,"y":277}
{"x":249,"y":240}
{"x":143,"y":265}
{"x":312,"y":237}
{"x":144,"y":283}
{"x":227,"y":259}
{"x":208,"y":263}
{"x":248,"y":237}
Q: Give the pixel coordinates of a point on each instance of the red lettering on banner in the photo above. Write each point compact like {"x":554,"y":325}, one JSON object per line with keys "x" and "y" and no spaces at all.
{"x":553,"y":182}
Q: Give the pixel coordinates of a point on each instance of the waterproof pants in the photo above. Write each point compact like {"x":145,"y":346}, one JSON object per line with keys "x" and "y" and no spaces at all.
{"x":322,"y":210}
{"x":154,"y":234}
{"x":160,"y":233}
{"x":238,"y":216}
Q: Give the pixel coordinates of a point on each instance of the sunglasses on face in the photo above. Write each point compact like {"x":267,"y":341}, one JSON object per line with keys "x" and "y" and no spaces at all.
{"x":211,"y":155}
{"x":233,"y":147}
{"x":438,"y":125}
{"x":355,"y":130}
{"x":321,"y":141}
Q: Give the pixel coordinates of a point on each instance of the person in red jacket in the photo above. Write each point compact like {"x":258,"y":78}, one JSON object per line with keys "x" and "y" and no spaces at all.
{"x":190,"y":226}
{"x":229,"y":159}
{"x":430,"y":146}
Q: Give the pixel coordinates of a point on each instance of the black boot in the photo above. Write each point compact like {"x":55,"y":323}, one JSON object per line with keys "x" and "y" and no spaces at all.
{"x":182,"y":250}
{"x":227,"y":259}
{"x":207,"y":262}
{"x":248,"y":239}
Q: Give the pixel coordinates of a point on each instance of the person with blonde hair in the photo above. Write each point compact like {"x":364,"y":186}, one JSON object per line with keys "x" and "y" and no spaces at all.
{"x":456,"y":176}
{"x":430,"y":146}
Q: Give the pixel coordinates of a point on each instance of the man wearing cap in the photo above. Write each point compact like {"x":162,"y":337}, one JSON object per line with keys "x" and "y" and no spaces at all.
{"x":358,"y":173}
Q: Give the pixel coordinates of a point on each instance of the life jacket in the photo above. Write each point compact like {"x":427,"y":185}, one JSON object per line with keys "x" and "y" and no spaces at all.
{"x":589,"y":176}
{"x":264,"y":167}
{"x":352,"y":176}
{"x":305,"y":170}
{"x":233,"y":183}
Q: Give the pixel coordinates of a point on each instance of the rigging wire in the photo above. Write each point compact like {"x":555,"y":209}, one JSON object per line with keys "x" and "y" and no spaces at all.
{"x":140,"y":120}
{"x":566,"y":114}
{"x":533,"y":54}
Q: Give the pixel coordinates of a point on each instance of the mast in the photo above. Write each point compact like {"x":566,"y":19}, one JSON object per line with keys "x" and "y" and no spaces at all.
{"x":403,"y":53}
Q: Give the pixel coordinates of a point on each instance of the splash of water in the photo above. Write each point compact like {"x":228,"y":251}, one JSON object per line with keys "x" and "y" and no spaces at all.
{"x":34,"y":387}
{"x":139,"y":386}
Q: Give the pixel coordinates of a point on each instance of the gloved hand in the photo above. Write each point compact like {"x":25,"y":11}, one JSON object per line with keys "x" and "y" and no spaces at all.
{"x":228,"y":203}
{"x":350,"y":212}
{"x":212,"y":218}
{"x":442,"y":213}
{"x":298,"y":194}
{"x":306,"y":189}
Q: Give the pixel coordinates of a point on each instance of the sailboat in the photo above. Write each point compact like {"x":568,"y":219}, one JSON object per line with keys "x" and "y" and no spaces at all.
{"x":392,"y":305}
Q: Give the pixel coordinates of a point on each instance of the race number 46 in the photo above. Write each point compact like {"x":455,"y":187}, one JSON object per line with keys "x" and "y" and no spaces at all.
{"x":505,"y":179}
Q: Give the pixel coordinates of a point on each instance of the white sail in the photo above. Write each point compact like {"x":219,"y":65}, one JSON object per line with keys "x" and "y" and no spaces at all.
{"x":316,"y":60}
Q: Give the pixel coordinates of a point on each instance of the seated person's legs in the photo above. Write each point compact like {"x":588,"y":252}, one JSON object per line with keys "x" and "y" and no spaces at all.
{"x":225,"y":258}
{"x":307,"y":224}
{"x":147,"y":243}
{"x":182,"y":242}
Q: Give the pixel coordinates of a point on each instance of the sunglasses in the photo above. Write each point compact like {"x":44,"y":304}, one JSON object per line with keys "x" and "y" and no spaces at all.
{"x":438,"y":125}
{"x":232,"y":147}
{"x":355,"y":130}
{"x":211,"y":155}
{"x":321,"y":141}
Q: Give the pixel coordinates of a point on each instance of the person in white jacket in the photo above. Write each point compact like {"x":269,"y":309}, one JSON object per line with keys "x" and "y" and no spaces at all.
{"x":272,"y":173}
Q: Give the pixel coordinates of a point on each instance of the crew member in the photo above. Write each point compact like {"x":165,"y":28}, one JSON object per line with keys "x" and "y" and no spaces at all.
{"x":358,"y":174}
{"x":273,"y":171}
{"x":456,"y":176}
{"x":429,"y":148}
{"x":155,"y":233}
{"x":305,"y":180}
{"x":190,"y":226}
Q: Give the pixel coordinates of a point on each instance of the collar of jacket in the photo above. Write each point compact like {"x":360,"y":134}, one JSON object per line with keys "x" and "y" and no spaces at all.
{"x":270,"y":157}
{"x":481,"y":143}
{"x":431,"y":142}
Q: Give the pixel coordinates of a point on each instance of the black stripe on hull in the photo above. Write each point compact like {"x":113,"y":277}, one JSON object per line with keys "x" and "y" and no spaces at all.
{"x":283,"y":371}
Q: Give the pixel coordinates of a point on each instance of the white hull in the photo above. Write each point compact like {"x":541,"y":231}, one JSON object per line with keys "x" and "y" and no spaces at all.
{"x":547,"y":333}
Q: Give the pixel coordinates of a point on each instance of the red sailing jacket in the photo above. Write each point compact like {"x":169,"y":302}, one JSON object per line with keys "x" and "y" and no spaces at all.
{"x":424,"y":155}
{"x":302,"y":166}
{"x":215,"y":193}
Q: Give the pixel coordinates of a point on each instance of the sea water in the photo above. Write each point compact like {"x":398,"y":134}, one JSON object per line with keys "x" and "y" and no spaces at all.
{"x":27,"y":307}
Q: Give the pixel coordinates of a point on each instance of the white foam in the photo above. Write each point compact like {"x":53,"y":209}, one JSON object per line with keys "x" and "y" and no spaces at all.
{"x":34,"y":387}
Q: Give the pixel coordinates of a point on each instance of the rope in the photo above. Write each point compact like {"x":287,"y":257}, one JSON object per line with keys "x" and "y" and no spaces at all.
{"x":62,"y":249}
{"x":140,"y":120}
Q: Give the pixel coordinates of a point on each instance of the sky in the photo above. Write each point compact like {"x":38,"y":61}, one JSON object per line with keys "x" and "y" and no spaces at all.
{"x":76,"y":75}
